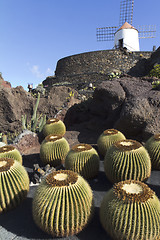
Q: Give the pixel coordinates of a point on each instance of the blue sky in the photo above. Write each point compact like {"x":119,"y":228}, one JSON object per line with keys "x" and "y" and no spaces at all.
{"x":35,"y":34}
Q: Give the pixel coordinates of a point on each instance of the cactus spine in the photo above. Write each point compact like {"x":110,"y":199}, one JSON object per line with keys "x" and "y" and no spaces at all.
{"x":9,"y":151}
{"x":131,"y":211}
{"x":14,"y":184}
{"x":53,"y":150}
{"x":62,"y":204}
{"x":107,"y":138}
{"x":153,"y":147}
{"x":83,"y":159}
{"x":54,"y":126}
{"x":127,"y":159}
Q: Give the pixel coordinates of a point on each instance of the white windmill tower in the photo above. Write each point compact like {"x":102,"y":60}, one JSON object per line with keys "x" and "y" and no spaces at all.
{"x":126,"y":36}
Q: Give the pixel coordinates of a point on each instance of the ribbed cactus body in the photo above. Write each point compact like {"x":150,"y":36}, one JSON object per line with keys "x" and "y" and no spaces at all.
{"x":107,"y":138}
{"x":127,"y":159}
{"x":62,"y":204}
{"x":14,"y":183}
{"x":83,"y":159}
{"x":130,"y":211}
{"x":153,"y":148}
{"x":54,"y":126}
{"x":53,"y":150}
{"x":9,"y":151}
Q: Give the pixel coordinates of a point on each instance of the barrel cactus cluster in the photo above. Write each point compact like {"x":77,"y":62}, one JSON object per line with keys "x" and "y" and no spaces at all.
{"x":131,"y":211}
{"x":14,"y":183}
{"x":83,"y":159}
{"x":9,"y":151}
{"x":62,"y":204}
{"x":53,"y":150}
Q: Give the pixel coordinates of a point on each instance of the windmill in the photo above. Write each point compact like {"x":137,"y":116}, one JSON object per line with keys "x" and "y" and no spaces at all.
{"x":125,"y":35}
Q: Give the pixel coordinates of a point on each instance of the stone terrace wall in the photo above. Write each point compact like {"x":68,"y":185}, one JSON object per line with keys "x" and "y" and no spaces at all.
{"x":94,"y":66}
{"x":99,"y":61}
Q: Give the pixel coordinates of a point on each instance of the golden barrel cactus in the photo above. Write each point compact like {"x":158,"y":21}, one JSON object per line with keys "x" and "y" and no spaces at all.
{"x":62,"y":204}
{"x":9,"y":151}
{"x":14,"y":184}
{"x":83,"y":159}
{"x":107,"y":138}
{"x":54,"y":126}
{"x":153,"y":147}
{"x":126,"y":160}
{"x":131,"y":211}
{"x":53,"y":150}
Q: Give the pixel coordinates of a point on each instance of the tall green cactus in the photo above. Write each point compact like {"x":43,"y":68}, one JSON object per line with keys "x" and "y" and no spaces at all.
{"x":36,"y":124}
{"x":62,"y":204}
{"x":131,"y":211}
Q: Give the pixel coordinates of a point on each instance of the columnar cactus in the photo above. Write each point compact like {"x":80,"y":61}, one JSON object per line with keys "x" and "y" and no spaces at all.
{"x":54,"y":126}
{"x":53,"y":150}
{"x":83,"y":159}
{"x":107,"y":138}
{"x":62,"y":204}
{"x":9,"y":151}
{"x":14,"y":184}
{"x":153,"y":147}
{"x":127,"y":159}
{"x":131,"y":211}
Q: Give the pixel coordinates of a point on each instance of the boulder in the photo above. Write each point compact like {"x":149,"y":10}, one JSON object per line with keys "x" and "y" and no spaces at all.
{"x":127,"y":104}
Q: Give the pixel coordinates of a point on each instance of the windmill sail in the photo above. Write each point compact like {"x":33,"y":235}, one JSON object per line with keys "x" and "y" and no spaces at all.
{"x":106,"y":33}
{"x":126,"y":11}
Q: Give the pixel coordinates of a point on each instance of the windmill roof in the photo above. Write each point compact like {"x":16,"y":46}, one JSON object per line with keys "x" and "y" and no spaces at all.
{"x":126,"y":25}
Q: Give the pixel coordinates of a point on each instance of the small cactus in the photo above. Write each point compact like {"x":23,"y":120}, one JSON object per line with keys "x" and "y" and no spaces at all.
{"x":126,"y":160}
{"x":9,"y":151}
{"x":153,"y":147}
{"x":54,"y":126}
{"x":131,"y":211}
{"x":62,"y":204}
{"x":107,"y":138}
{"x":83,"y":159}
{"x":14,"y":183}
{"x":53,"y":150}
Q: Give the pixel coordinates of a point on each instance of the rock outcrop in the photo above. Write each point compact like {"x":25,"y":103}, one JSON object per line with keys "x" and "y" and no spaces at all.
{"x":15,"y":102}
{"x":4,"y":84}
{"x":127,"y":104}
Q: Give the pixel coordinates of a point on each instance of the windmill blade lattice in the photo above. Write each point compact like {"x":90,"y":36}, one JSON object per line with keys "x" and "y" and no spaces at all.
{"x":106,"y":33}
{"x":126,"y":11}
{"x":146,"y":31}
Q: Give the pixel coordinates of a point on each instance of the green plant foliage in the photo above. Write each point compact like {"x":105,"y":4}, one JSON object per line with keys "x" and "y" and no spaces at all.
{"x":53,"y":150}
{"x":153,"y":147}
{"x":155,"y":72}
{"x":54,"y":126}
{"x":131,"y":211}
{"x":156,"y":84}
{"x":62,"y":204}
{"x":37,"y":122}
{"x":127,"y":160}
{"x":83,"y":159}
{"x":9,"y":151}
{"x":14,"y":184}
{"x":107,"y":138}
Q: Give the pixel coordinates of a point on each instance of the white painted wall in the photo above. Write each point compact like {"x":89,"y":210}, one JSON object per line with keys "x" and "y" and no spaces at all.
{"x":130,"y":39}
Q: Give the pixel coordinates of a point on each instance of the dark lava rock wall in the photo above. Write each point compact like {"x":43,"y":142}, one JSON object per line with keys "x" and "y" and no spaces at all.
{"x":127,"y":104}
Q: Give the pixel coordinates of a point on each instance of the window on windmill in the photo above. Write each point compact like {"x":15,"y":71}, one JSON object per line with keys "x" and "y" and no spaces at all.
{"x":121,"y":43}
